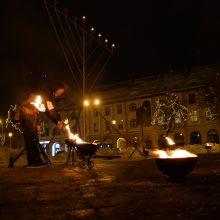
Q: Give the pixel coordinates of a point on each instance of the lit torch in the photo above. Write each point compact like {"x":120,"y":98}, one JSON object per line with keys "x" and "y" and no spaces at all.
{"x":38,"y":104}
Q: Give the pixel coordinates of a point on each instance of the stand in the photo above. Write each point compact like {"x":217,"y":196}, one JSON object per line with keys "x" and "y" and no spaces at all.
{"x":13,"y":160}
{"x":70,"y":154}
{"x":135,"y":147}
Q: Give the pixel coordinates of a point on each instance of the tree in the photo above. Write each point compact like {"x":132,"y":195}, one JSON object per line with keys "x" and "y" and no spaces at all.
{"x":167,"y":110}
{"x":212,"y":99}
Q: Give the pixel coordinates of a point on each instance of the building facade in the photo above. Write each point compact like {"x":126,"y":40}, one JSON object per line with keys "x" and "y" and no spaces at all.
{"x":117,"y":121}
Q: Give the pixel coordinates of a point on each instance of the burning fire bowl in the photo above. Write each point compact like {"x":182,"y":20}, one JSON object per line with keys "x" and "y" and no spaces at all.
{"x":176,"y":168}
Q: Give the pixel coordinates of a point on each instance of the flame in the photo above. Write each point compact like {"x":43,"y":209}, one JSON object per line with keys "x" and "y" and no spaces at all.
{"x":170,"y":141}
{"x":72,"y":136}
{"x":178,"y":153}
{"x":38,"y":104}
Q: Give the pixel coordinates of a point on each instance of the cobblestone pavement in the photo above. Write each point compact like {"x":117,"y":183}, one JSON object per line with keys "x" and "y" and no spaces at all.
{"x":116,"y":188}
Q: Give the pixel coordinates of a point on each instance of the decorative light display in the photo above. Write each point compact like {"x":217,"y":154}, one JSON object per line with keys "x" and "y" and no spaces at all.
{"x":10,"y":119}
{"x":212,"y":99}
{"x":168,"y":108}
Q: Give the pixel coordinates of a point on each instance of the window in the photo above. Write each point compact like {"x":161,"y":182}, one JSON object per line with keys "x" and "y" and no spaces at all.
{"x":107,"y":126}
{"x":73,"y":115}
{"x":46,"y":132}
{"x":133,"y":123}
{"x":194,"y":116}
{"x":195,"y":138}
{"x":95,"y":113}
{"x":161,"y":119}
{"x":192,"y":98}
{"x":132,"y":107}
{"x":119,"y":108}
{"x":120,"y":127}
{"x":107,"y":110}
{"x":177,"y":118}
{"x":95,"y":128}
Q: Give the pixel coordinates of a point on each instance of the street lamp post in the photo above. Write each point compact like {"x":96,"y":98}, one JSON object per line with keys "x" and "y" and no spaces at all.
{"x":10,"y":136}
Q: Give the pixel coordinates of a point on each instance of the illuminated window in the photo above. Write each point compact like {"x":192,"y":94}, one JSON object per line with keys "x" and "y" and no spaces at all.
{"x":177,"y":118}
{"x":194,"y":116}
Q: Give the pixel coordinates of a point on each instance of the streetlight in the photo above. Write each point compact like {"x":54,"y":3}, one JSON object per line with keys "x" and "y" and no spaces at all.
{"x":86,"y":104}
{"x":10,"y":136}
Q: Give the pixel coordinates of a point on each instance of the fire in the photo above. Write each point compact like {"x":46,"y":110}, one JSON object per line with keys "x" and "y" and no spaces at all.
{"x":72,"y":136}
{"x":178,"y":153}
{"x":170,"y":141}
{"x":38,"y":104}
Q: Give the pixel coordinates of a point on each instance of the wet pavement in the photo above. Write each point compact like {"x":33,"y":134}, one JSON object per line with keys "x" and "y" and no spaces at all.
{"x":116,"y":188}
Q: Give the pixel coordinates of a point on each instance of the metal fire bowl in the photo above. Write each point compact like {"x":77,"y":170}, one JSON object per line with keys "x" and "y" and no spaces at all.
{"x":176,"y":168}
{"x":83,"y":148}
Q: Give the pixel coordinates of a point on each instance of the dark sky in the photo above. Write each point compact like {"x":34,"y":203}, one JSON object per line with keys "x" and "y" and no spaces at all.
{"x":150,"y":36}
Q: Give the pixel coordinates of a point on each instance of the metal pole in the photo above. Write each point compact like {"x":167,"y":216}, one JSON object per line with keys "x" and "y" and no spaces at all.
{"x":84,"y":77}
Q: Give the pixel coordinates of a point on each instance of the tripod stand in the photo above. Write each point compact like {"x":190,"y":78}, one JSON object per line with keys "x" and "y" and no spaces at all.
{"x":43,"y":153}
{"x":132,"y":144}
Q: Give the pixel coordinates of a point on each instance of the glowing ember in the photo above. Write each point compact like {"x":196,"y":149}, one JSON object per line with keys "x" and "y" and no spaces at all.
{"x":72,"y":136}
{"x":38,"y":104}
{"x":178,"y":153}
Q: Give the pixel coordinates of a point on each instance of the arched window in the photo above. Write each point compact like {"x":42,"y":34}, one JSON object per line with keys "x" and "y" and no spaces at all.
{"x":179,"y":139}
{"x":213,"y":136}
{"x":195,"y":138}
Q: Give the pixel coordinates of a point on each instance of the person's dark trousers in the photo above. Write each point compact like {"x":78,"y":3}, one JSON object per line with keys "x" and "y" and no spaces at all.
{"x":33,"y":154}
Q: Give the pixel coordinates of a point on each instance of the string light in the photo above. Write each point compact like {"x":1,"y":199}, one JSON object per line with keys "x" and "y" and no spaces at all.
{"x":10,"y":119}
{"x":167,"y":108}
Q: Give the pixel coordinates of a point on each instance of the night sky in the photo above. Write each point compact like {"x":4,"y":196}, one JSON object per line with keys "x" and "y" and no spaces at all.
{"x":150,"y":36}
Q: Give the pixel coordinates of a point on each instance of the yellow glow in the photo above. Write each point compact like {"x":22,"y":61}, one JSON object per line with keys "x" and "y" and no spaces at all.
{"x":178,"y":153}
{"x":86,"y":103}
{"x":113,"y":121}
{"x":170,"y":141}
{"x":38,"y":104}
{"x":96,"y":102}
{"x":10,"y":134}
